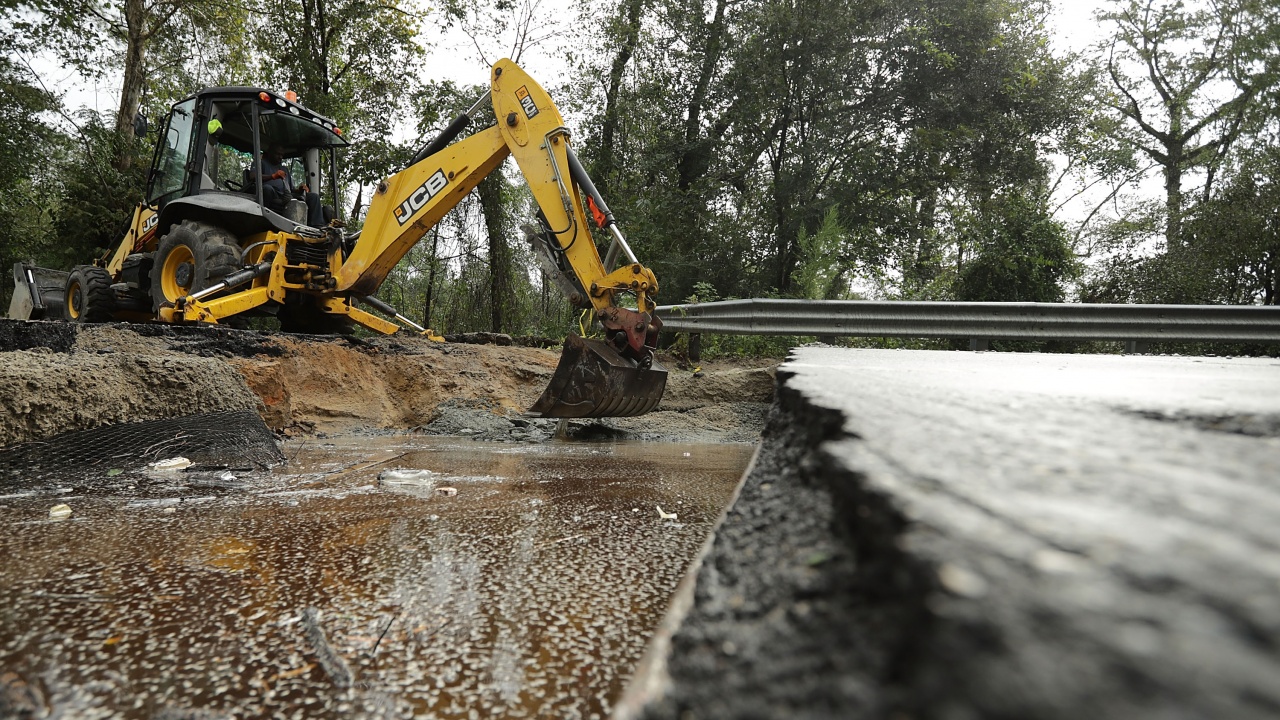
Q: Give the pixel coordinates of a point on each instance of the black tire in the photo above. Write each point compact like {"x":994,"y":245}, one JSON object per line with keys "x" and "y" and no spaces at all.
{"x":89,"y":297}
{"x":191,"y":256}
{"x":300,"y":314}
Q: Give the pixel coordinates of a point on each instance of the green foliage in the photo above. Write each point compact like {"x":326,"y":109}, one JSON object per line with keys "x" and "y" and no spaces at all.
{"x":703,"y":292}
{"x":350,"y":60}
{"x":31,"y":151}
{"x":818,"y":272}
{"x":1020,"y":253}
{"x":757,"y":129}
{"x":1231,"y":253}
{"x":98,"y":197}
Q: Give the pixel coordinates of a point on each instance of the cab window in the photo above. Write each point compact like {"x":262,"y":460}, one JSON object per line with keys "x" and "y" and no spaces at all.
{"x":169,"y":175}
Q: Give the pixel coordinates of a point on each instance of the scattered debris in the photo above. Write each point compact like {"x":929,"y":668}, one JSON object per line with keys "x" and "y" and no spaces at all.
{"x":20,"y":699}
{"x":817,"y":557}
{"x":168,"y":502}
{"x":579,"y":536}
{"x":447,"y":491}
{"x":374,"y":651}
{"x":224,"y":480}
{"x":290,"y":674}
{"x":59,"y":512}
{"x":170,"y":464}
{"x":25,"y":493}
{"x":665,"y":515}
{"x":334,"y":666}
{"x":400,"y":476}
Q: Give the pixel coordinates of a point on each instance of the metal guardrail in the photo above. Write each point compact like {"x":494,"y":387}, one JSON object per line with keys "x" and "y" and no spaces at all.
{"x":978,"y":320}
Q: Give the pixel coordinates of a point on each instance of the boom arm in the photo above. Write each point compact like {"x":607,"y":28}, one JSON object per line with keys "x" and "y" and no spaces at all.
{"x":407,"y":205}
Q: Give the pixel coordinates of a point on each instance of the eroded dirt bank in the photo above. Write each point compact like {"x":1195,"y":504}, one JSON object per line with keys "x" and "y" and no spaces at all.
{"x":57,"y":378}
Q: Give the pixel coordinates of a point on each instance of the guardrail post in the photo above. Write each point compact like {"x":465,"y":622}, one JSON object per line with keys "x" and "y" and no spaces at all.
{"x":979,"y":344}
{"x":1137,"y":347}
{"x":695,"y":348}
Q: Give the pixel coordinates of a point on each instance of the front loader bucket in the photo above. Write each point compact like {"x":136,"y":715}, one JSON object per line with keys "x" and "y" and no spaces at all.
{"x":594,"y":380}
{"x":38,"y":293}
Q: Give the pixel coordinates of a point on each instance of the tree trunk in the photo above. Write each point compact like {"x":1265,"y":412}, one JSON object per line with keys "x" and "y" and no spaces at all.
{"x":1271,"y":284}
{"x":500,"y":300}
{"x":785,"y":228}
{"x":135,"y":77}
{"x":1173,"y":198}
{"x":695,"y":156}
{"x":322,"y":31}
{"x":924,"y":266}
{"x":609,"y":126}
{"x":431,"y":278}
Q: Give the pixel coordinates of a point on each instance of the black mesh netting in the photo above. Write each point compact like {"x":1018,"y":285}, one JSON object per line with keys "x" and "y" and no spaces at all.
{"x":235,"y":438}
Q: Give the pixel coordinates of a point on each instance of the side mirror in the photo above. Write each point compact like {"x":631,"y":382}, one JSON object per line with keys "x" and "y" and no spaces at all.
{"x":140,"y":124}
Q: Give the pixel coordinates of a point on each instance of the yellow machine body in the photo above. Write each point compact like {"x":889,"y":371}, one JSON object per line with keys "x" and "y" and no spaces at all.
{"x":334,"y":278}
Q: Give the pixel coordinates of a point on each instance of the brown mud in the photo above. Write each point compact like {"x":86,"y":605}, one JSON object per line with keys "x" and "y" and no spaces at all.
{"x":57,"y":378}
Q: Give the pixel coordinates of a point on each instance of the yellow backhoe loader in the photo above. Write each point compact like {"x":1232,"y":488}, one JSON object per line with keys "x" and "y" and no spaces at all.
{"x":239,"y":221}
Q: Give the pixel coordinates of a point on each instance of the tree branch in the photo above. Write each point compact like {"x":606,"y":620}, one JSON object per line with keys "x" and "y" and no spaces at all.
{"x":1134,"y":111}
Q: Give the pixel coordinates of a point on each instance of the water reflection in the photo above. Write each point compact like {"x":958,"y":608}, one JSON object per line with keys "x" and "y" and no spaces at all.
{"x":529,"y":593}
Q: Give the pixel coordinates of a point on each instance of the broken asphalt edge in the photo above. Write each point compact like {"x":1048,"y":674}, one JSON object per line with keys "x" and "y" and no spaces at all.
{"x":651,"y":680}
{"x":786,"y":547}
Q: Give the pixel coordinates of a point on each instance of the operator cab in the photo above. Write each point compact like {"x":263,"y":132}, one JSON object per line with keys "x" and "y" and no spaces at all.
{"x":207,"y":160}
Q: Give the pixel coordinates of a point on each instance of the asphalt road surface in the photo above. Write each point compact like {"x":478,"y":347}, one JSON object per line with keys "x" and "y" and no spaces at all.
{"x":962,"y":535}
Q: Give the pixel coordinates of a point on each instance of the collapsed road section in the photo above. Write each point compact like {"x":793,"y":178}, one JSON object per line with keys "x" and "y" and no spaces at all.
{"x":950,"y":535}
{"x":426,"y":550}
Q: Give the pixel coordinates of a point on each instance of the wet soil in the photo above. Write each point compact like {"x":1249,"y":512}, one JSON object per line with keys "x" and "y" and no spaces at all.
{"x":55,"y":380}
{"x":321,"y":591}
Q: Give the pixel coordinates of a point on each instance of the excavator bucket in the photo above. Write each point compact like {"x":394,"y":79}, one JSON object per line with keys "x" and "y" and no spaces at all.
{"x":594,"y":380}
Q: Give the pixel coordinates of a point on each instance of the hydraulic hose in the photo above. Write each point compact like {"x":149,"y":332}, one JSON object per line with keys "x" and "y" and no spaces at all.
{"x":447,"y":135}
{"x":238,"y":277}
{"x":579,"y":175}
{"x":387,"y":309}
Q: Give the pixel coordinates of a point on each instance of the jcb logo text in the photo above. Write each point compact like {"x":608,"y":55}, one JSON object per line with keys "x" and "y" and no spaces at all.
{"x":425,"y":192}
{"x":526,"y":102}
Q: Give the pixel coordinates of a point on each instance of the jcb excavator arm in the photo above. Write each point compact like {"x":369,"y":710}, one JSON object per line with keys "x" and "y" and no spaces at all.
{"x":594,"y":379}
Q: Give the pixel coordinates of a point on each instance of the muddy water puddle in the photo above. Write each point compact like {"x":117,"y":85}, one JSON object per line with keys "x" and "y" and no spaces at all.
{"x":509,"y":581}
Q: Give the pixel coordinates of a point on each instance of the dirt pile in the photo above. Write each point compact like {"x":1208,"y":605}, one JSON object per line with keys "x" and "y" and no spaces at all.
{"x":334,"y":385}
{"x":44,"y":392}
{"x":53,"y":380}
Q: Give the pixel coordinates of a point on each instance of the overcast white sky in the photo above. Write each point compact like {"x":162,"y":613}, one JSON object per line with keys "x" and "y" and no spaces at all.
{"x":1075,"y":28}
